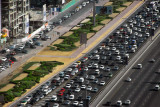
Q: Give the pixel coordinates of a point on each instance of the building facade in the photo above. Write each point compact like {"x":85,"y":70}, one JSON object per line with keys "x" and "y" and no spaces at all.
{"x":13,"y":17}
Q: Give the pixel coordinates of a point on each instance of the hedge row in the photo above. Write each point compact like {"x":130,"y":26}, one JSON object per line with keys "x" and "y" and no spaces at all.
{"x":29,"y":81}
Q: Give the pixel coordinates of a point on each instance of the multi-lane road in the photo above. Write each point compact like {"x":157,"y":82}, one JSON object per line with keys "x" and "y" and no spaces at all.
{"x":140,"y":91}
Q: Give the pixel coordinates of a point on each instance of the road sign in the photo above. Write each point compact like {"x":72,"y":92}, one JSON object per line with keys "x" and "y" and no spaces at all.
{"x":104,"y":10}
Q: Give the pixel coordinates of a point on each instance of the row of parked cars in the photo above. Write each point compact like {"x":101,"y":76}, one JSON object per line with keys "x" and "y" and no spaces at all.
{"x":9,"y":53}
{"x":85,"y":78}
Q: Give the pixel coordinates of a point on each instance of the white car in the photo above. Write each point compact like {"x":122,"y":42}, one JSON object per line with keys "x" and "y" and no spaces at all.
{"x":54,"y":98}
{"x":119,"y":103}
{"x":80,"y":104}
{"x":71,"y":97}
{"x":68,"y":86}
{"x":77,"y":90}
{"x":83,"y":87}
{"x":67,"y":77}
{"x":101,"y":67}
{"x":85,"y":68}
{"x":55,"y":105}
{"x":127,"y":102}
{"x":30,"y":41}
{"x":7,"y":50}
{"x":128,"y":79}
{"x":4,"y":59}
{"x":89,"y":88}
{"x":84,"y":4}
{"x":75,"y":103}
{"x":102,"y":83}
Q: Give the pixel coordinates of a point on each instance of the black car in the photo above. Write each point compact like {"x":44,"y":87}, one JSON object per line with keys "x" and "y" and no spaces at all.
{"x":44,"y":39}
{"x":24,"y":51}
{"x":8,"y":56}
{"x":32,"y":46}
{"x":13,"y":59}
{"x":3,"y":51}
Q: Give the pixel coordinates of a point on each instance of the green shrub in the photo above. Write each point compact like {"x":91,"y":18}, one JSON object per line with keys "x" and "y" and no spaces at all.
{"x":9,"y":96}
{"x":52,"y":48}
{"x":28,"y":65}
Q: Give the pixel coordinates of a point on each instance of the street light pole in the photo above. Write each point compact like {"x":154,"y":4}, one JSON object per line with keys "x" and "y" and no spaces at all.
{"x":94,"y":14}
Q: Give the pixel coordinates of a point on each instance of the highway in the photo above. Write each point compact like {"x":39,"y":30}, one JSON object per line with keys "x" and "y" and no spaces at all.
{"x":140,"y":89}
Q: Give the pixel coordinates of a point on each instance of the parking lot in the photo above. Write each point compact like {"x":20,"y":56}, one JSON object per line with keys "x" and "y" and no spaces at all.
{"x":88,"y":76}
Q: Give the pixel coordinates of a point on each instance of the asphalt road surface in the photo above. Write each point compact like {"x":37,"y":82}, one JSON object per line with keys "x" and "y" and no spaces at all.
{"x":141,"y":89}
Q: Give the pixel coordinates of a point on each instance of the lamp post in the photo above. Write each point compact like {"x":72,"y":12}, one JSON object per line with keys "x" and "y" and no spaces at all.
{"x":94,"y":14}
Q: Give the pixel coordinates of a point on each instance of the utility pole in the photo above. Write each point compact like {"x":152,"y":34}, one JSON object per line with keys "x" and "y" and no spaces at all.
{"x":94,"y":13}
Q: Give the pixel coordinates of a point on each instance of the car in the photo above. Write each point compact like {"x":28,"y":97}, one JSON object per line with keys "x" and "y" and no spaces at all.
{"x":66,"y":77}
{"x":54,"y":98}
{"x":102,"y":83}
{"x":55,"y":105}
{"x":68,"y":69}
{"x":119,"y":103}
{"x":84,"y":4}
{"x":139,"y":66}
{"x":67,"y":102}
{"x":89,"y":88}
{"x":91,"y":77}
{"x":115,"y":68}
{"x":43,"y":38}
{"x":95,"y":90}
{"x":13,"y":53}
{"x":60,"y":94}
{"x":95,"y":80}
{"x":110,"y":74}
{"x":101,"y":67}
{"x":47,"y":37}
{"x":62,"y":90}
{"x":83,"y":87}
{"x":77,"y":90}
{"x":21,"y":47}
{"x":68,"y":86}
{"x":24,"y":51}
{"x":107,"y":69}
{"x":96,"y":72}
{"x":37,"y":43}
{"x":127,"y":102}
{"x":32,"y":46}
{"x":108,"y":103}
{"x":157,"y":87}
{"x":88,"y":97}
{"x":75,"y":103}
{"x":71,"y":97}
{"x":4,"y":59}
{"x":128,"y":79}
{"x":152,"y":60}
{"x":13,"y":59}
{"x":23,"y":102}
{"x":81,"y":104}
{"x":41,"y":96}
{"x":71,"y":81}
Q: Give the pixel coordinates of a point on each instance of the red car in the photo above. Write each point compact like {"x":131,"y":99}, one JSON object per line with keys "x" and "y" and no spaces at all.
{"x":60,"y":93}
{"x":62,"y":90}
{"x":13,"y":53}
